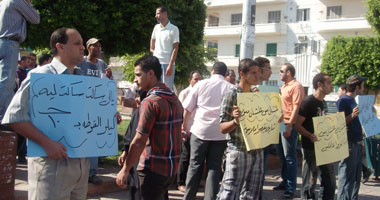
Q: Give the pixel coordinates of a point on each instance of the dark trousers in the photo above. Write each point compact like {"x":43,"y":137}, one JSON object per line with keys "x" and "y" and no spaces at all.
{"x":154,"y":186}
{"x":21,"y":146}
{"x":184,"y":162}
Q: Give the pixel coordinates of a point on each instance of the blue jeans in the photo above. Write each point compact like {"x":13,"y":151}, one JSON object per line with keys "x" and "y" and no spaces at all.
{"x":201,"y":151}
{"x":9,"y":51}
{"x":168,"y":80}
{"x":93,"y":165}
{"x":287,"y":150}
{"x":349,"y":174}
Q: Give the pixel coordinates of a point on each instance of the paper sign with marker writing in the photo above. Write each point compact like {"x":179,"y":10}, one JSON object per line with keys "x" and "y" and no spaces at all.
{"x":260,"y":113}
{"x":368,"y":119}
{"x":332,"y":142}
{"x":77,"y":111}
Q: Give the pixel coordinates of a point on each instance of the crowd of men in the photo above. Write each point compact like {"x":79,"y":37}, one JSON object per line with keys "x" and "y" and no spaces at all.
{"x":175,"y":138}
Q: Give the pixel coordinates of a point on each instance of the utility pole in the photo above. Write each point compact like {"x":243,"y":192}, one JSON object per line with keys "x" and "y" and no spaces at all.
{"x":248,"y":29}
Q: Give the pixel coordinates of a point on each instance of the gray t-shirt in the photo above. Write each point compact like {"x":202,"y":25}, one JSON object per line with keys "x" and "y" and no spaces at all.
{"x":89,"y":69}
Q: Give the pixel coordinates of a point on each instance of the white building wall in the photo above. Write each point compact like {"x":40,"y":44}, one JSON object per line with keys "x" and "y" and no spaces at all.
{"x":287,"y":33}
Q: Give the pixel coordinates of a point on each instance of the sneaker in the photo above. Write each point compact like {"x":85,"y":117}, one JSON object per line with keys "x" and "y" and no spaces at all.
{"x":182,"y":188}
{"x":95,"y":180}
{"x":279,"y":187}
{"x":366,"y":175}
{"x":288,"y":195}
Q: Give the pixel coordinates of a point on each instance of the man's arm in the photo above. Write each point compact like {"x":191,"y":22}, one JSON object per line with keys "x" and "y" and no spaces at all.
{"x":27,"y":10}
{"x":152,"y":45}
{"x":229,"y":126}
{"x":303,"y":131}
{"x":355,"y":113}
{"x":169,"y":70}
{"x":54,"y":150}
{"x":136,"y":148}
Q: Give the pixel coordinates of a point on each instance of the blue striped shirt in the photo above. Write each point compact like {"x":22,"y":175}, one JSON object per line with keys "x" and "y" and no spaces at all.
{"x":13,"y":17}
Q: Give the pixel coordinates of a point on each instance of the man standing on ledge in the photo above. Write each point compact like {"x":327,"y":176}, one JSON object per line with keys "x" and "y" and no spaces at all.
{"x":292,"y":94}
{"x":164,"y":45}
{"x":13,"y":17}
{"x":158,"y":134}
{"x":55,"y":176}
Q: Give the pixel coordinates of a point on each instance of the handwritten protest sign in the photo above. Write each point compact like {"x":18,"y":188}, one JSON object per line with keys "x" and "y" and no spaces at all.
{"x":368,"y":119}
{"x":332,"y":143}
{"x":260,"y":113}
{"x":77,"y":111}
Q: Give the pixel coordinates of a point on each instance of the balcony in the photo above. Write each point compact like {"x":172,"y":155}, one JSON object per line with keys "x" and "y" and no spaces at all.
{"x":342,"y":24}
{"x":261,"y":29}
{"x":221,"y":3}
{"x":216,"y":31}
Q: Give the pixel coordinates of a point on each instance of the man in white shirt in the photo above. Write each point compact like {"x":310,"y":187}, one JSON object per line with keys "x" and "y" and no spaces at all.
{"x":195,"y":76}
{"x":164,"y":45}
{"x":206,"y":141}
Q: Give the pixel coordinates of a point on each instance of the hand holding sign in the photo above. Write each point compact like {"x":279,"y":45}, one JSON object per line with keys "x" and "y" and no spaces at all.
{"x":77,"y":111}
{"x":332,"y":144}
{"x":259,"y":114}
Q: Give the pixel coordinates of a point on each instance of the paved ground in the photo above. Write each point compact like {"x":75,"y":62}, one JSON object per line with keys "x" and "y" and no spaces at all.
{"x":109,"y":191}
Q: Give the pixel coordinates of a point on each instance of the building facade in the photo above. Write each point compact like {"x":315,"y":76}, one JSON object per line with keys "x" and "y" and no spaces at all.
{"x":286,"y":31}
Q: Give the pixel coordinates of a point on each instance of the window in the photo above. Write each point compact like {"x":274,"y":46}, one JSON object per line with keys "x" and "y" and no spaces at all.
{"x":236,"y":19}
{"x":274,"y":16}
{"x":271,"y":49}
{"x":315,"y":46}
{"x":300,"y":48}
{"x":334,"y":12}
{"x":212,"y":48}
{"x":303,"y":15}
{"x":237,"y":50}
{"x":253,"y":14}
{"x":213,"y":20}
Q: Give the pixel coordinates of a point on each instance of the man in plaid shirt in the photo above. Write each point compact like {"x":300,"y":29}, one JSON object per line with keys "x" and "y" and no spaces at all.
{"x":244,"y":169}
{"x":158,"y":134}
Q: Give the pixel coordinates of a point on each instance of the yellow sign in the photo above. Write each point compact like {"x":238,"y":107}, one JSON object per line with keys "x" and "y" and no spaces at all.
{"x":260,"y":113}
{"x":332,"y":142}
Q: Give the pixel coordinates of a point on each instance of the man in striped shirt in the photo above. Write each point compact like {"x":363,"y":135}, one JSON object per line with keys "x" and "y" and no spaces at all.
{"x":158,"y":134}
{"x":13,"y":17}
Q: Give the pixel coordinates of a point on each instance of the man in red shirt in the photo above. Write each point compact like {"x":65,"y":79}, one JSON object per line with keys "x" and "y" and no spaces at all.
{"x":158,"y":134}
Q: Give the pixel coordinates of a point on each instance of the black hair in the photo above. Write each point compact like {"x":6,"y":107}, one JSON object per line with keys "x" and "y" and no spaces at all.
{"x":290,"y":67}
{"x":220,"y":68}
{"x":320,"y":77}
{"x":163,"y":9}
{"x":58,"y":36}
{"x":245,"y":64}
{"x":261,"y":61}
{"x":229,"y":72}
{"x":24,"y":58}
{"x":352,"y":87}
{"x":192,"y":73}
{"x":43,"y":57}
{"x":343,"y":87}
{"x":149,"y":62}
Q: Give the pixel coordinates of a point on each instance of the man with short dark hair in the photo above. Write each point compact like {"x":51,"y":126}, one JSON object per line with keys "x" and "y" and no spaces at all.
{"x":244,"y":169}
{"x":33,"y":61}
{"x":164,"y":44}
{"x":349,"y":173}
{"x":230,"y":76}
{"x":13,"y":17}
{"x":92,"y":65}
{"x":206,"y":141}
{"x":313,"y":106}
{"x":55,"y":176}
{"x":195,"y":76}
{"x":44,"y":59}
{"x":158,"y":134}
{"x":292,"y":94}
{"x":21,"y":71}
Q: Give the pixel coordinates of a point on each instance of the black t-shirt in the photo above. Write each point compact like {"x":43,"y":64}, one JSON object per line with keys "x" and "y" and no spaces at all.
{"x":310,"y":107}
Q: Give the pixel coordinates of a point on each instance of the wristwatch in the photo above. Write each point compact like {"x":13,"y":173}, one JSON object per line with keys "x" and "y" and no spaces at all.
{"x":236,"y":122}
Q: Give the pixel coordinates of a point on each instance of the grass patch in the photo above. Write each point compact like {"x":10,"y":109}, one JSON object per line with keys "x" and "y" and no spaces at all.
{"x":121,"y":128}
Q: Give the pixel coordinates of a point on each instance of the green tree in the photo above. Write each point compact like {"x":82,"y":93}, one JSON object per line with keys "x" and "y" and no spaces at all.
{"x":373,"y":14}
{"x":125,"y":26}
{"x":345,"y":56}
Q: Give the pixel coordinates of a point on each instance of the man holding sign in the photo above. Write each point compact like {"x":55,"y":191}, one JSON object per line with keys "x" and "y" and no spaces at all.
{"x":55,"y":176}
{"x":313,"y":106}
{"x":244,"y":169}
{"x":349,"y":173}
